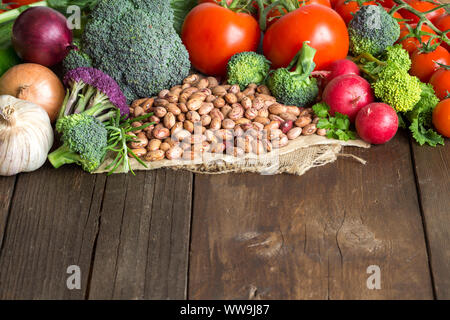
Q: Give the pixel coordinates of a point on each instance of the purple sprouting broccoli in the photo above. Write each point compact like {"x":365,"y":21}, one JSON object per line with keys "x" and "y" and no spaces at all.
{"x":92,"y":92}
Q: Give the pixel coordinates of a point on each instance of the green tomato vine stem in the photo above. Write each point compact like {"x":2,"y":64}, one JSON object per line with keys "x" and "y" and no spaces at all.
{"x":416,"y":32}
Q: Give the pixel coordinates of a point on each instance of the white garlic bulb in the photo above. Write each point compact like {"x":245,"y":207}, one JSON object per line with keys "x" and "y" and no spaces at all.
{"x":26,"y":136}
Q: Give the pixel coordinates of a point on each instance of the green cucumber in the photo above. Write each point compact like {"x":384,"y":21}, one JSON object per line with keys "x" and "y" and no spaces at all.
{"x":8,"y":59}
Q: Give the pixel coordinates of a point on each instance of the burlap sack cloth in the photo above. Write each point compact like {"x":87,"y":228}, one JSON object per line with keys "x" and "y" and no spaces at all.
{"x":297,"y":157}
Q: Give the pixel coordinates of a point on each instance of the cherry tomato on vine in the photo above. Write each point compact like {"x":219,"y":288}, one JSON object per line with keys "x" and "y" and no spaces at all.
{"x":396,"y":16}
{"x":320,"y":25}
{"x":424,"y":64}
{"x":421,"y":6}
{"x":387,"y":3}
{"x":411,"y":44}
{"x":346,"y":10}
{"x":441,"y":117}
{"x":440,"y":80}
{"x":212,"y":34}
{"x":443,"y":24}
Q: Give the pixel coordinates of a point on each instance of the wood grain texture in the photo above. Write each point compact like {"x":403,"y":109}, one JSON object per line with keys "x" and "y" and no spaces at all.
{"x":311,"y":237}
{"x":6,"y":192}
{"x":433,"y":178}
{"x":52,"y":225}
{"x":143,"y":243}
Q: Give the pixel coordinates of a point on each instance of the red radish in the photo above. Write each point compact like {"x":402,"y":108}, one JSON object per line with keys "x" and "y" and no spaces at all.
{"x":377,"y":123}
{"x":341,"y":67}
{"x":347,"y":94}
{"x":40,"y":35}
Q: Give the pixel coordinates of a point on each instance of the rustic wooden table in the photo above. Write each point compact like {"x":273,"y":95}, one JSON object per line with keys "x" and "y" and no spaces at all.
{"x":176,"y":235}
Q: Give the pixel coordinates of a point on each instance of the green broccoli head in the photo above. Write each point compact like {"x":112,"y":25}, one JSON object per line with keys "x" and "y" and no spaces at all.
{"x":297,"y":87}
{"x":397,"y":88}
{"x":247,"y":67}
{"x":292,"y":91}
{"x":85,"y":142}
{"x":76,"y":59}
{"x":372,"y":30}
{"x":396,"y":55}
{"x":135,"y":43}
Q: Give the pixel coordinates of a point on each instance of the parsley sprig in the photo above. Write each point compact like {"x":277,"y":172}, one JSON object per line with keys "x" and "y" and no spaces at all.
{"x":338,"y":127}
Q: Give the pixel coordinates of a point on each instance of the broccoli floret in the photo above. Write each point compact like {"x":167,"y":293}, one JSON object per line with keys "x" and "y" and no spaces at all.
{"x":297,"y":87}
{"x":76,"y":59}
{"x":397,"y":88}
{"x":247,"y":67}
{"x":84,"y":139}
{"x":390,"y":79}
{"x":398,"y":56}
{"x":134,"y":41}
{"x":94,"y":92}
{"x":420,"y":118}
{"x":372,"y":30}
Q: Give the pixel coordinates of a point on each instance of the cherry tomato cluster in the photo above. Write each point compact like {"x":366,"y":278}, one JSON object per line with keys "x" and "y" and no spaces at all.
{"x":216,"y":30}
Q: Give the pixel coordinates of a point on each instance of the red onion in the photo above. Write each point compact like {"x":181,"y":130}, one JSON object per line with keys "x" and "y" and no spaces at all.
{"x":40,"y":35}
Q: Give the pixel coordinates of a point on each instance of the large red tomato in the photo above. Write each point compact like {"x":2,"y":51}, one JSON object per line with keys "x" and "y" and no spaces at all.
{"x":443,"y":24}
{"x":275,"y":14}
{"x":213,"y":34}
{"x":347,"y":10}
{"x":214,"y":1}
{"x":424,"y":64}
{"x":421,"y":6}
{"x":320,"y":25}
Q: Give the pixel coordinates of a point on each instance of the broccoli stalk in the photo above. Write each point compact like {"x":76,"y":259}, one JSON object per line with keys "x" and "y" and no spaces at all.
{"x":64,"y":155}
{"x":296,"y":87}
{"x":92,"y":91}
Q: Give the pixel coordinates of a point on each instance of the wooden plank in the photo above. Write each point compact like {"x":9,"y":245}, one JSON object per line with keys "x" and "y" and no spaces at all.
{"x":433,"y":177}
{"x":143,"y":244}
{"x":52,"y":225}
{"x":6,"y":192}
{"x":312,"y":237}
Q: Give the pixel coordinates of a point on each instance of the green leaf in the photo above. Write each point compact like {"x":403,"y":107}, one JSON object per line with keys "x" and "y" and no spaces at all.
{"x":324,"y":124}
{"x":338,"y":127}
{"x":180,"y":10}
{"x":425,"y":136}
{"x":321,"y":110}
